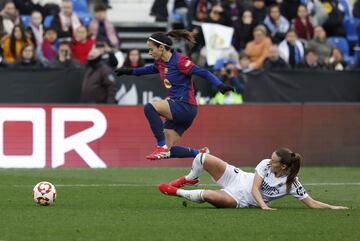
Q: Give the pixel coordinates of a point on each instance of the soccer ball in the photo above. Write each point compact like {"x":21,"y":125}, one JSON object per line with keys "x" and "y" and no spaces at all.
{"x":44,"y":193}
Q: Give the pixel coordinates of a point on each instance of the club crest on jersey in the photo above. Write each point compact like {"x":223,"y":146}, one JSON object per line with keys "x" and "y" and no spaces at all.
{"x":166,"y":70}
{"x":167,"y":84}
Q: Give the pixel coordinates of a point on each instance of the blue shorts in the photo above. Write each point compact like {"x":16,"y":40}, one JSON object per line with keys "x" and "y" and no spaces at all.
{"x":183,"y":115}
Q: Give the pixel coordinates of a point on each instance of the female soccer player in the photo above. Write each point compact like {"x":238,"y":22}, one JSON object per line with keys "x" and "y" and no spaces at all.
{"x":273,"y":179}
{"x":180,"y":107}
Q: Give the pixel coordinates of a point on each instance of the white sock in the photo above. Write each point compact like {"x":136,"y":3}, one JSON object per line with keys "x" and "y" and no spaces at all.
{"x":192,"y":195}
{"x":197,"y":167}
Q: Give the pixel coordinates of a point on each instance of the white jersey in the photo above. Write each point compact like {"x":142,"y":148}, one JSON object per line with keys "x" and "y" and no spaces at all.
{"x":238,"y":184}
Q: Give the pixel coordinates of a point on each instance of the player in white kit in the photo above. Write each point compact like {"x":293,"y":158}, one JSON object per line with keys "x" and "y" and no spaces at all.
{"x":273,"y":179}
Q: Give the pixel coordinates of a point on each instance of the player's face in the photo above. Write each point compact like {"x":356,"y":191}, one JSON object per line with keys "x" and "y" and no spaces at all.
{"x":155,"y":52}
{"x":276,"y":166}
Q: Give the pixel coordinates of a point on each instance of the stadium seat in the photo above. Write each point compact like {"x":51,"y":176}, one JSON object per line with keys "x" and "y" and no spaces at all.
{"x":346,"y":7}
{"x":350,"y":25}
{"x":80,"y":6}
{"x":340,"y":43}
{"x":26,"y":19}
{"x":48,"y":20}
{"x":85,"y":18}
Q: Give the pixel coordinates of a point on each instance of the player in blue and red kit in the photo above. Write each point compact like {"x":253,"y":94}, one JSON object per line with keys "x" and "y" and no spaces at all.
{"x":180,"y":107}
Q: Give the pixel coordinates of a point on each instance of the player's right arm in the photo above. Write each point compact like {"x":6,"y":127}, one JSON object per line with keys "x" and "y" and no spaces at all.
{"x":312,"y":203}
{"x":148,"y":69}
{"x":255,"y":191}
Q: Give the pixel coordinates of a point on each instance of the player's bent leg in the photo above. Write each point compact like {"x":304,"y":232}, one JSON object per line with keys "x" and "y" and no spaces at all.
{"x":214,"y":166}
{"x":163,"y":108}
{"x":219,"y":199}
{"x":171,"y":137}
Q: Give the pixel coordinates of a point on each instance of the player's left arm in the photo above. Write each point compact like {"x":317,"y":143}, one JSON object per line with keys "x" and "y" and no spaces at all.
{"x":312,"y":203}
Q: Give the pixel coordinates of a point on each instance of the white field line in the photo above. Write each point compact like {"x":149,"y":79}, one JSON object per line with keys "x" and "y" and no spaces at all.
{"x":153,"y":185}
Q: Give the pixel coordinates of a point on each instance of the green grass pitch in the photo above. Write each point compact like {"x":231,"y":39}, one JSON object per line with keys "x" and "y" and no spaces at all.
{"x":125,"y":204}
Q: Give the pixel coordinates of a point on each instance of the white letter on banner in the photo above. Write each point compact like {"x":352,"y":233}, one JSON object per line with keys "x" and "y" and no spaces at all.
{"x":37,"y":117}
{"x":79,"y":141}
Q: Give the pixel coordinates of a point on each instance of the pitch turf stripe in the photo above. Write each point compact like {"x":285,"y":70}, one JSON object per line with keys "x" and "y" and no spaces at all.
{"x":215,"y":185}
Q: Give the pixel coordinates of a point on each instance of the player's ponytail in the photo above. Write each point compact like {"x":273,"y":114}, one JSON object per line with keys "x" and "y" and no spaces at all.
{"x":179,"y":34}
{"x":292,"y":161}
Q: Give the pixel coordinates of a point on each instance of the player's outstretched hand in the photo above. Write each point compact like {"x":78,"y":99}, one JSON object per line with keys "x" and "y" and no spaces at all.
{"x":123,"y":71}
{"x":339,"y":208}
{"x":268,"y":208}
{"x":223,"y":88}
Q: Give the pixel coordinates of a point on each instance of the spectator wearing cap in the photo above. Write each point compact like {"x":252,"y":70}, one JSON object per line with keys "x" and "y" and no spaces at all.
{"x":291,"y":49}
{"x":258,"y":48}
{"x":311,"y":61}
{"x":81,"y":45}
{"x":13,"y":44}
{"x":277,"y":24}
{"x":320,"y":44}
{"x":66,"y":22}
{"x":303,"y":25}
{"x":9,"y":17}
{"x":102,"y":29}
{"x":274,"y":61}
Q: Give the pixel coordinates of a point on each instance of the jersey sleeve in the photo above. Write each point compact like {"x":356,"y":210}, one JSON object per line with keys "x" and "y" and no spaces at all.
{"x":262,"y":167}
{"x":185,"y":65}
{"x":298,"y":191}
{"x":148,"y":69}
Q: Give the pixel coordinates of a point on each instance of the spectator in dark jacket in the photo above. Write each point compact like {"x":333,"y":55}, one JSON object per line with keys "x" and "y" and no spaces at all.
{"x":27,"y":57}
{"x":244,"y":33}
{"x":356,"y":9}
{"x":274,"y":61}
{"x":259,"y":11}
{"x":99,"y":85}
{"x":311,"y":61}
{"x":26,"y":7}
{"x":334,"y":24}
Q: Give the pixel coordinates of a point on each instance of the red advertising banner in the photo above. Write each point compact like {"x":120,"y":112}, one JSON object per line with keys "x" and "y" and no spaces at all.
{"x":41,"y":136}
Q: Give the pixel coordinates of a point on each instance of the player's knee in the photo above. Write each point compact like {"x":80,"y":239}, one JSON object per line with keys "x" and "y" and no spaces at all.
{"x":209,"y":196}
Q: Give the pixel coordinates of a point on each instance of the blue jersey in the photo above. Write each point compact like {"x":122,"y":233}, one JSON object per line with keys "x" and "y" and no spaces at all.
{"x":176,"y":76}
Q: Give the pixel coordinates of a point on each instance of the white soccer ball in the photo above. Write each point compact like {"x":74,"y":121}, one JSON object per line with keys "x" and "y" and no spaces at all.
{"x":44,"y":193}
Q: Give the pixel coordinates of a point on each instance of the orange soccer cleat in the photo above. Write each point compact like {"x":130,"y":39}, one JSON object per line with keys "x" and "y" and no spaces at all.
{"x":159,"y":153}
{"x":182,"y":181}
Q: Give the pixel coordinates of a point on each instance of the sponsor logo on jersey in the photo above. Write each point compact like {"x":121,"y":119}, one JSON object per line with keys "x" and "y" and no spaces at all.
{"x":167,"y":84}
{"x":269,"y":190}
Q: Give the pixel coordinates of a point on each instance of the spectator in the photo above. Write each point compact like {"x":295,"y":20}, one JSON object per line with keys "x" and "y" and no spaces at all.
{"x":99,"y":84}
{"x":101,"y":28}
{"x":276,"y":24}
{"x":259,"y":11}
{"x":258,"y":48}
{"x":133,"y":59}
{"x":244,"y":63}
{"x":230,"y":75}
{"x":311,"y":61}
{"x":13,"y":44}
{"x":181,"y":9}
{"x":274,"y":61}
{"x":336,"y":61}
{"x":66,"y":22}
{"x":334,"y":24}
{"x":36,"y":29}
{"x":303,"y":25}
{"x":199,"y":10}
{"x":107,"y":54}
{"x":320,"y":44}
{"x":291,"y":49}
{"x":64,"y":57}
{"x":26,"y":7}
{"x":82,"y":45}
{"x":50,"y":7}
{"x":356,"y":9}
{"x":159,"y":10}
{"x":243,"y":34}
{"x":233,"y":9}
{"x":27,"y":57}
{"x":9,"y":17}
{"x":289,"y":8}
{"x":49,"y":48}
{"x":317,"y":13}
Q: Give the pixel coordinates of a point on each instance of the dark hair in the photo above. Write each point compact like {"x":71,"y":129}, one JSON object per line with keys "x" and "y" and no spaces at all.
{"x":127,"y":62}
{"x":292,"y":162}
{"x":21,"y":58}
{"x":311,"y":50}
{"x":13,"y":40}
{"x":100,"y":8}
{"x":177,"y":34}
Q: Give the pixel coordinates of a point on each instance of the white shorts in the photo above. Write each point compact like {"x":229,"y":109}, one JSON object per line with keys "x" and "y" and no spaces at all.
{"x":235,"y":182}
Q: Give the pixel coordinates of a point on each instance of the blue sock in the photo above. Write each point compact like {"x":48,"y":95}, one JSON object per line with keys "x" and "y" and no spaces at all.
{"x":181,"y":152}
{"x":155,"y":123}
